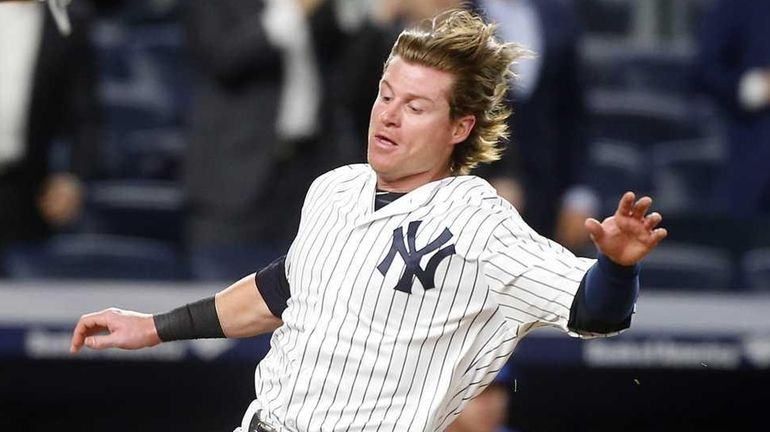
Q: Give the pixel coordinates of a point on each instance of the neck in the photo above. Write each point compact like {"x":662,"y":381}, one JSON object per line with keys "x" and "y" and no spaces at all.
{"x":409,"y":183}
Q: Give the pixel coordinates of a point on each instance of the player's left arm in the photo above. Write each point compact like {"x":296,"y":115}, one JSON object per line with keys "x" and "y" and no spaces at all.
{"x":538,"y":282}
{"x":607,"y":294}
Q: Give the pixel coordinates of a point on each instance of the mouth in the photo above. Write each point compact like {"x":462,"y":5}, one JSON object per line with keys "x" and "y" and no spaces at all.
{"x":384,"y":141}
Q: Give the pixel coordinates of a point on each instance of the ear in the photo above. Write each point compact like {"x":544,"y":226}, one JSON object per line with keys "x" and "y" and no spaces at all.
{"x":462,"y":127}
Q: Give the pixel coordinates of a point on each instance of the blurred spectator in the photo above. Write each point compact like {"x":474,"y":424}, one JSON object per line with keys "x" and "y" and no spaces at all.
{"x":733,"y":66}
{"x":256,"y":118}
{"x":47,"y":94}
{"x":542,"y":171}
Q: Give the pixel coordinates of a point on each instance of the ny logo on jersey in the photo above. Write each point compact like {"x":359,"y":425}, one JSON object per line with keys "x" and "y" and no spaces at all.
{"x":412,"y":257}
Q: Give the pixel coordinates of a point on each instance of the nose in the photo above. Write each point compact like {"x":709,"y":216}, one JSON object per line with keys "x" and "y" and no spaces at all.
{"x":389,"y":115}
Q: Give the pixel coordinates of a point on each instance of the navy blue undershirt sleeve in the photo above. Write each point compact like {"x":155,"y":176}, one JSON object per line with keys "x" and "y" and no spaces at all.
{"x":606,"y":297}
{"x":273,"y":285}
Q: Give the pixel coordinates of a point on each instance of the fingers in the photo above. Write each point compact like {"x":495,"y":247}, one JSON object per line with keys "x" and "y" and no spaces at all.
{"x":594,"y":228}
{"x":658,"y":235}
{"x":78,"y":338}
{"x":101,"y":342}
{"x":636,"y":210}
{"x":88,"y":325}
{"x":626,"y":204}
{"x":641,"y":207}
{"x":652,"y":220}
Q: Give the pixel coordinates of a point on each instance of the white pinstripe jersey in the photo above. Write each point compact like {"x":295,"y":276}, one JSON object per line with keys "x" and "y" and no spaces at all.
{"x":355,"y":353}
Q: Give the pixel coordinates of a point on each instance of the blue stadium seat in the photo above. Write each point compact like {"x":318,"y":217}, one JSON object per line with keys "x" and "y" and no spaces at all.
{"x":640,"y":117}
{"x":664,"y":71}
{"x":142,"y":96}
{"x":611,"y":18}
{"x":88,"y":256}
{"x":685,"y":175}
{"x":164,"y":47}
{"x":681,"y":266}
{"x":136,"y":208}
{"x":705,"y":228}
{"x":144,"y":82}
{"x":144,"y":87}
{"x":151,"y":154}
{"x":615,"y":167}
{"x":755,"y":266}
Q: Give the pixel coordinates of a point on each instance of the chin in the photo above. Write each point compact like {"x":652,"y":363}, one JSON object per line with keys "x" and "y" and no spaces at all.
{"x":385,"y":170}
{"x":379,"y":162}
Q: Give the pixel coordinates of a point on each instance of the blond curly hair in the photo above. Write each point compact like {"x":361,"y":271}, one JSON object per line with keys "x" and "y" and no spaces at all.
{"x":461,"y":43}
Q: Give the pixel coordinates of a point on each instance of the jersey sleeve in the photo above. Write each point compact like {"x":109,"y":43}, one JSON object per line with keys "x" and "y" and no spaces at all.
{"x":314,"y":197}
{"x":534,"y":280}
{"x":316,"y":189}
{"x":273,"y":280}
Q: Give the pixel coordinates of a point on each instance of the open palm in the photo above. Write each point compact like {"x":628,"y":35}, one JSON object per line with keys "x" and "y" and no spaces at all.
{"x":630,"y":234}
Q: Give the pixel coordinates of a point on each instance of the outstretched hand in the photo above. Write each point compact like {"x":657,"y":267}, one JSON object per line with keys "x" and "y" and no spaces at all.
{"x":114,"y":328}
{"x":630,"y":234}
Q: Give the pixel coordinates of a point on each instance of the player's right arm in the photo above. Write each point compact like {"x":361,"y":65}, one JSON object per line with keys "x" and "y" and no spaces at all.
{"x":251,"y":306}
{"x":237,"y":311}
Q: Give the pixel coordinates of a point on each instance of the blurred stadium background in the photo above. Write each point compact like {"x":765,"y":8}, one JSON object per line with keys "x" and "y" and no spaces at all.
{"x":697,"y":357}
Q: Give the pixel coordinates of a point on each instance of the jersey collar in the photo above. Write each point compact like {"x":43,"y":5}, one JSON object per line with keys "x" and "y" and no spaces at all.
{"x":407,"y":203}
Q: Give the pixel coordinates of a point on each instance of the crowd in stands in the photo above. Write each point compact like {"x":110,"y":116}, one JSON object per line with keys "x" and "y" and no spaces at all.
{"x":174,"y":140}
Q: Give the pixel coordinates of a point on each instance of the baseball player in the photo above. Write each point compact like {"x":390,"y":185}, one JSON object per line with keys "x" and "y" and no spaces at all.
{"x":410,"y":282}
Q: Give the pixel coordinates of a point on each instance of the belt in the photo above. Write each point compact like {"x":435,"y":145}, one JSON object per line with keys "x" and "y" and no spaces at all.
{"x":257,"y":425}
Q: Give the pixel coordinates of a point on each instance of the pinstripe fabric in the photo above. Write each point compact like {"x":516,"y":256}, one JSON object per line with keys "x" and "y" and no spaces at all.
{"x":355,"y":354}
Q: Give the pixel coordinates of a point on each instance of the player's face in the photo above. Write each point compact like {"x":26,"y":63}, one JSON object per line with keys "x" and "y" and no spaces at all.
{"x":411,"y":134}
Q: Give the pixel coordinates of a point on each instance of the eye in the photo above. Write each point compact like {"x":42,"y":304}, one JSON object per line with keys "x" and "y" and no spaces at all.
{"x":414,"y":109}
